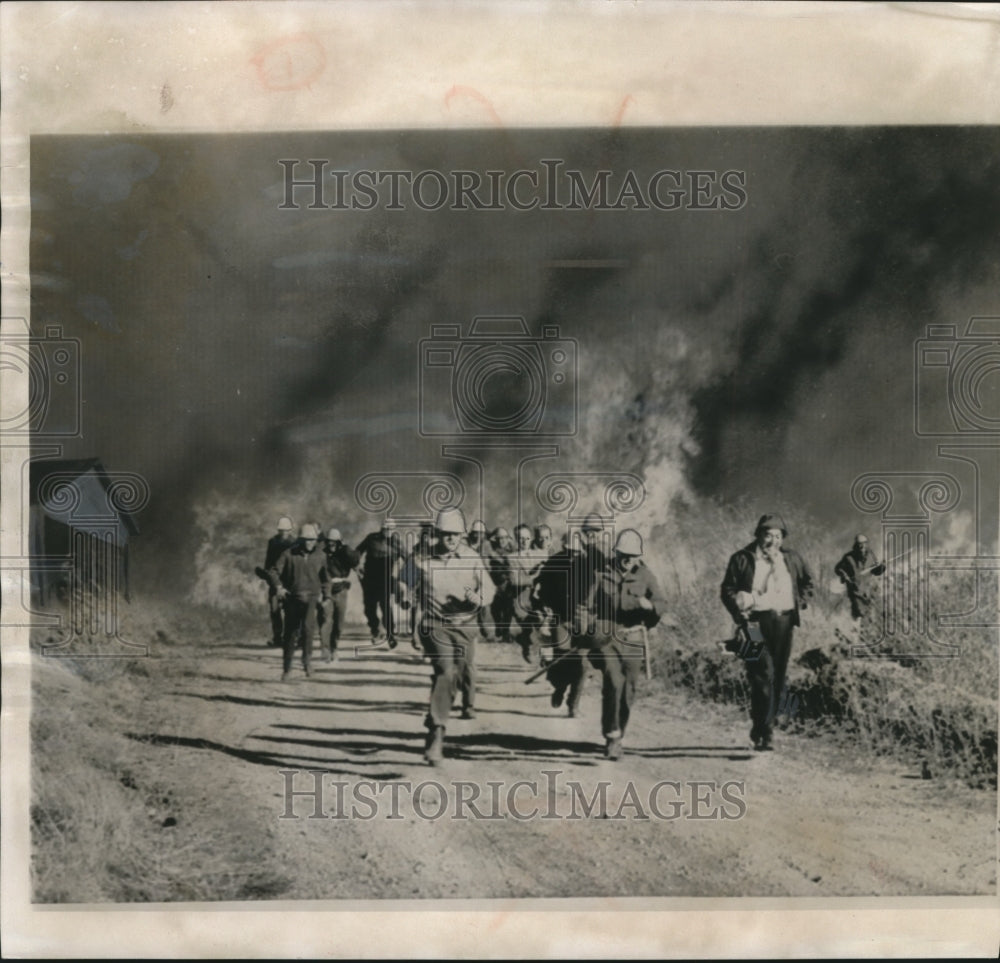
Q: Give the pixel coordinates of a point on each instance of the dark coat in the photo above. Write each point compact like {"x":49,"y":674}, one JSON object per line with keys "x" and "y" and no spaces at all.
{"x":565,"y":580}
{"x":381,"y":555}
{"x":739,"y":578}
{"x":275,"y":546}
{"x":617,"y":595}
{"x":300,"y":572}
{"x":340,"y":559}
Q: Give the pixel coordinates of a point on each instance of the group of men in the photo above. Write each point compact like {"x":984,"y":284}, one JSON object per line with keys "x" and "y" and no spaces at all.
{"x":577,"y":605}
{"x":459,"y":586}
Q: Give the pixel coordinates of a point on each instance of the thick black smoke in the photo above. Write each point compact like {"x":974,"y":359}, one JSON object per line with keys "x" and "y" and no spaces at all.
{"x":261,"y":360}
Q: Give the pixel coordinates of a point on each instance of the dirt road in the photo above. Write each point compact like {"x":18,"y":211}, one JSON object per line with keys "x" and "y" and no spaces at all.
{"x":689,"y":810}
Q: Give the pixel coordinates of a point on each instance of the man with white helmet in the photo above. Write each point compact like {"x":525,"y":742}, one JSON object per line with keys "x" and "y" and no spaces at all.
{"x":340,"y":559}
{"x":765,"y":586}
{"x":276,"y":544}
{"x":450,"y":585}
{"x":382,"y":553}
{"x":626,"y":596}
{"x":297,"y":578}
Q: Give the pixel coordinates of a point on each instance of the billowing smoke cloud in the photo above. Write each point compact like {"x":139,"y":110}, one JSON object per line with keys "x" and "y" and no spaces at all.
{"x":253,"y":361}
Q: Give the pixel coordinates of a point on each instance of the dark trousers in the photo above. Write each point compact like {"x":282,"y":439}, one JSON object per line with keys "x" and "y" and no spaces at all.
{"x":378,"y":595}
{"x":502,"y":610}
{"x":484,"y":618}
{"x":298,"y":629}
{"x":859,"y":603}
{"x":331,"y":621}
{"x":569,"y":671}
{"x":766,"y":674}
{"x":619,"y":664}
{"x":277,"y":617}
{"x":452,"y":651}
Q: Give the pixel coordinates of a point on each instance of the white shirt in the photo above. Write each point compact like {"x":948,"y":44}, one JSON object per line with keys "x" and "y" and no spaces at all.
{"x":772,"y":584}
{"x":441,"y":582}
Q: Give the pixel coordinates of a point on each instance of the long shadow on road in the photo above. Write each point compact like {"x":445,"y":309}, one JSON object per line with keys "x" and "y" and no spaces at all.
{"x":473,"y":746}
{"x":286,"y":760}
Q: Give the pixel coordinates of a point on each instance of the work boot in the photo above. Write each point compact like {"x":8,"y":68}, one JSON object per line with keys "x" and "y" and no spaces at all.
{"x":613,"y":750}
{"x":468,"y":713}
{"x":434,"y":749}
{"x":286,"y":676}
{"x":557,"y":698}
{"x":392,"y":641}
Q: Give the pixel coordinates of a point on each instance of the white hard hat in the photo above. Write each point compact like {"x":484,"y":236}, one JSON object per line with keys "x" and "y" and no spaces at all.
{"x":333,"y":535}
{"x":478,"y":526}
{"x":593,"y":523}
{"x":450,"y":521}
{"x":285,"y":524}
{"x":308,"y":531}
{"x":629,"y":542}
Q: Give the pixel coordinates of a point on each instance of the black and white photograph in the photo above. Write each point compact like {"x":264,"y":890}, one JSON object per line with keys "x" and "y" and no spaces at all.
{"x":477,"y":510}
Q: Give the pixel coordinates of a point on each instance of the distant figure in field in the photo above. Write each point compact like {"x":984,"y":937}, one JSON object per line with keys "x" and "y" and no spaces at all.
{"x":297,"y":578}
{"x":857,"y":570}
{"x":340,"y":560}
{"x":381,"y":552}
{"x":767,"y":584}
{"x":276,"y":544}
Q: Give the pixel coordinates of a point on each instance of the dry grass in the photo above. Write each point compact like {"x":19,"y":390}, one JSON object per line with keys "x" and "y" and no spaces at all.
{"x":107,"y":824}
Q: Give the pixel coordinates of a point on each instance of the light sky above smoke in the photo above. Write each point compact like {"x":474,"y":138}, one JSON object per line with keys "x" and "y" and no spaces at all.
{"x":764,"y":353}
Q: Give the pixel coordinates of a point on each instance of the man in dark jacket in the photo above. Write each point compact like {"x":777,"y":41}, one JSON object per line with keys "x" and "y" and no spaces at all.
{"x":626,"y":597}
{"x":856,"y":570}
{"x":276,"y":544}
{"x":498,"y":565}
{"x":382,"y":553}
{"x":767,"y":584}
{"x":297,"y":579}
{"x":336,"y":581}
{"x":563,"y":587}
